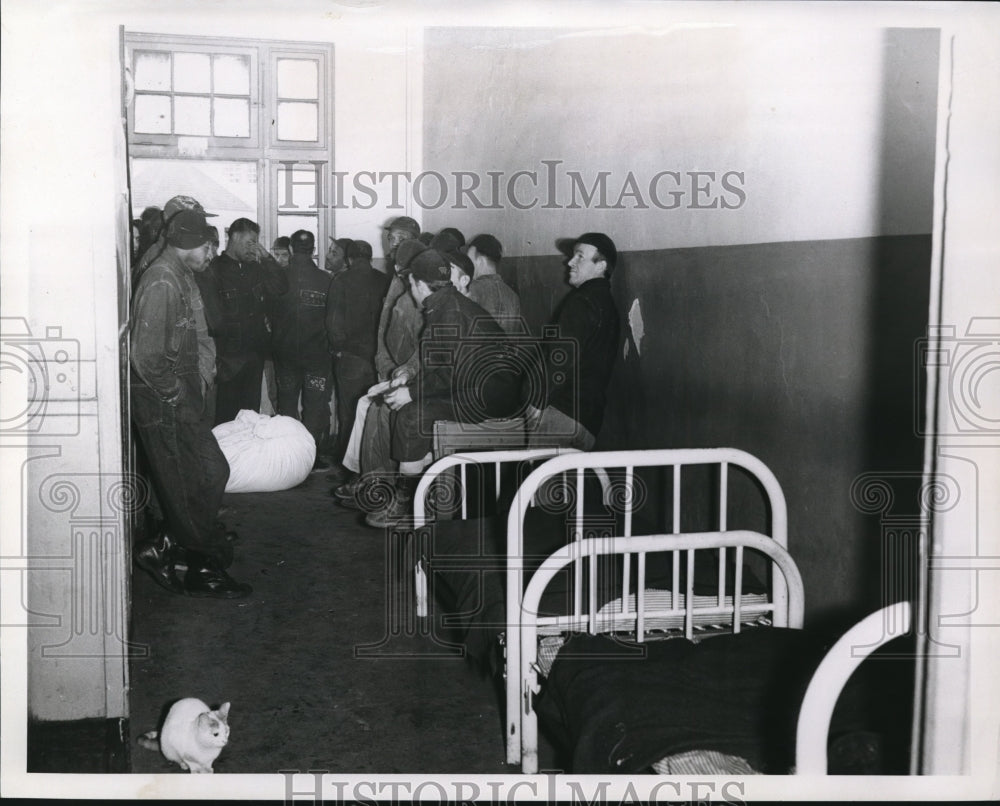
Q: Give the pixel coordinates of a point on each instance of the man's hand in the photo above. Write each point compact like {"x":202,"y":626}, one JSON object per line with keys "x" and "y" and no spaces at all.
{"x":398,"y":397}
{"x":400,"y":376}
{"x":261,"y":255}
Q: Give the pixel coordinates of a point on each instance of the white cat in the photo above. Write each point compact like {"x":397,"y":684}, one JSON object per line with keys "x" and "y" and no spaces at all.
{"x":192,"y":735}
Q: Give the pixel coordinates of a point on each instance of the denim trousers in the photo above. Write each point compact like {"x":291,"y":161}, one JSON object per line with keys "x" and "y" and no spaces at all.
{"x":188,"y":470}
{"x":239,"y":391}
{"x":313,"y":384}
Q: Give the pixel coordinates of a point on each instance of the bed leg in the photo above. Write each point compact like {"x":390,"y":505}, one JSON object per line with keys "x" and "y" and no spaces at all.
{"x":420,"y":589}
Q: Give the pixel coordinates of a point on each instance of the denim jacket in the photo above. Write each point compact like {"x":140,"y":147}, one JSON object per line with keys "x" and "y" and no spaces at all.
{"x":164,"y":335}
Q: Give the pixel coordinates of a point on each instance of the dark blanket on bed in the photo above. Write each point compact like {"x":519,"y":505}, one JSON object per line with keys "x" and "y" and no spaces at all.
{"x":619,"y":708}
{"x":467,"y":564}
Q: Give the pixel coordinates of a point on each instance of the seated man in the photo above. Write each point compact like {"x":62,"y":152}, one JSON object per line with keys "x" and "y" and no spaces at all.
{"x":457,"y":334}
{"x":367,"y":452}
{"x":569,"y":410}
{"x":488,"y":287}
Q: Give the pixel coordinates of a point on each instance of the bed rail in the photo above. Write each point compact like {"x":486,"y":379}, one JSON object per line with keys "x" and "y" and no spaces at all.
{"x":525,"y":631}
{"x":624,"y":497}
{"x":832,"y":675}
{"x":458,"y":463}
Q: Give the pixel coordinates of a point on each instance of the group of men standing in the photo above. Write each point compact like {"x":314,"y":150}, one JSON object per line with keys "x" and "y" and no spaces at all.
{"x":203,"y":325}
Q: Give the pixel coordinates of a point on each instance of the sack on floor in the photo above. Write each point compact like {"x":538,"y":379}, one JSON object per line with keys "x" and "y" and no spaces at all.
{"x":265,"y":453}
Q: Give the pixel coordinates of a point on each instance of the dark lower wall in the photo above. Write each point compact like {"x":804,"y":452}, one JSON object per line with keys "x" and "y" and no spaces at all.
{"x":800,"y":353}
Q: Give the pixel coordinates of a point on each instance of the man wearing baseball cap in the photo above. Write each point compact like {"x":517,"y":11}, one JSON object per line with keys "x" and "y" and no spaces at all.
{"x":170,"y":209}
{"x":569,"y":409}
{"x":456,"y":329}
{"x":188,"y":469}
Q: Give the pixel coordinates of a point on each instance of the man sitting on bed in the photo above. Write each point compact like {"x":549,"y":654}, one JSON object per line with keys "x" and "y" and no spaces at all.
{"x":458,"y":339}
{"x":569,"y":410}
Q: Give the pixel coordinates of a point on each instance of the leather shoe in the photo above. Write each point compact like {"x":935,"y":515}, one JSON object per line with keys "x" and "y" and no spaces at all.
{"x":348,"y":490}
{"x":158,"y":557}
{"x":223,"y":557}
{"x":209,"y":581}
{"x":399,"y":509}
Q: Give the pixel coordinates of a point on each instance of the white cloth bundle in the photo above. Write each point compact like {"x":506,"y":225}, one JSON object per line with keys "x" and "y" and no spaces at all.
{"x":265,"y":454}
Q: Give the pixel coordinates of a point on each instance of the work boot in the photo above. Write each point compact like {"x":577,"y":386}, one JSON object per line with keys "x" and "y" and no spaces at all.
{"x":399,"y":508}
{"x":349,"y":489}
{"x":368,"y":493}
{"x":158,"y":557}
{"x":208,"y":580}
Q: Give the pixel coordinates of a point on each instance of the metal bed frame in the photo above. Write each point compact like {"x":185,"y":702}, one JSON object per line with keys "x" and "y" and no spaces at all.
{"x":638,"y":620}
{"x":568,"y":467}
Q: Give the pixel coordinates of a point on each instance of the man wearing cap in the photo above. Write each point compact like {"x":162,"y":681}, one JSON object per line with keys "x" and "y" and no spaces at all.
{"x":298,"y":342}
{"x":247,"y":277}
{"x":458,"y":339}
{"x":170,"y":209}
{"x":488,"y":287}
{"x":189,"y":471}
{"x":351,"y":327}
{"x":569,"y":410}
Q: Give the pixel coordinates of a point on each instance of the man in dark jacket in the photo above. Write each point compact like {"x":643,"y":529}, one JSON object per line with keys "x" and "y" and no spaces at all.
{"x":458,"y":340}
{"x":397,"y":333}
{"x":352,"y":327}
{"x":188,"y":469}
{"x":247,"y":276}
{"x":569,"y":409}
{"x":298,"y":342}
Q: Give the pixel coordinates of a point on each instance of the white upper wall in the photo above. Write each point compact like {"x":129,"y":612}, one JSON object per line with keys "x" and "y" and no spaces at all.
{"x":795,"y":132}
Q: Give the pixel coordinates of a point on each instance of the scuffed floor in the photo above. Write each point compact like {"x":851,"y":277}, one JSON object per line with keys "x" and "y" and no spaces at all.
{"x":321,"y":663}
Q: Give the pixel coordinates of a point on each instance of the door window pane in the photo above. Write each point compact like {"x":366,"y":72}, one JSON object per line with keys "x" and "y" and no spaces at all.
{"x":232,"y":117}
{"x":296,"y":191}
{"x":232,"y":75}
{"x":192,"y":73}
{"x":298,"y":78}
{"x":152,"y":114}
{"x":228,"y":189}
{"x":192,"y":116}
{"x":287,"y":224}
{"x":152,"y":71}
{"x":298,"y":121}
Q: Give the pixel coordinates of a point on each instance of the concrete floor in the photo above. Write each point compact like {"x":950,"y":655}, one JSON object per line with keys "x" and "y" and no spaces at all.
{"x":306,"y":693}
